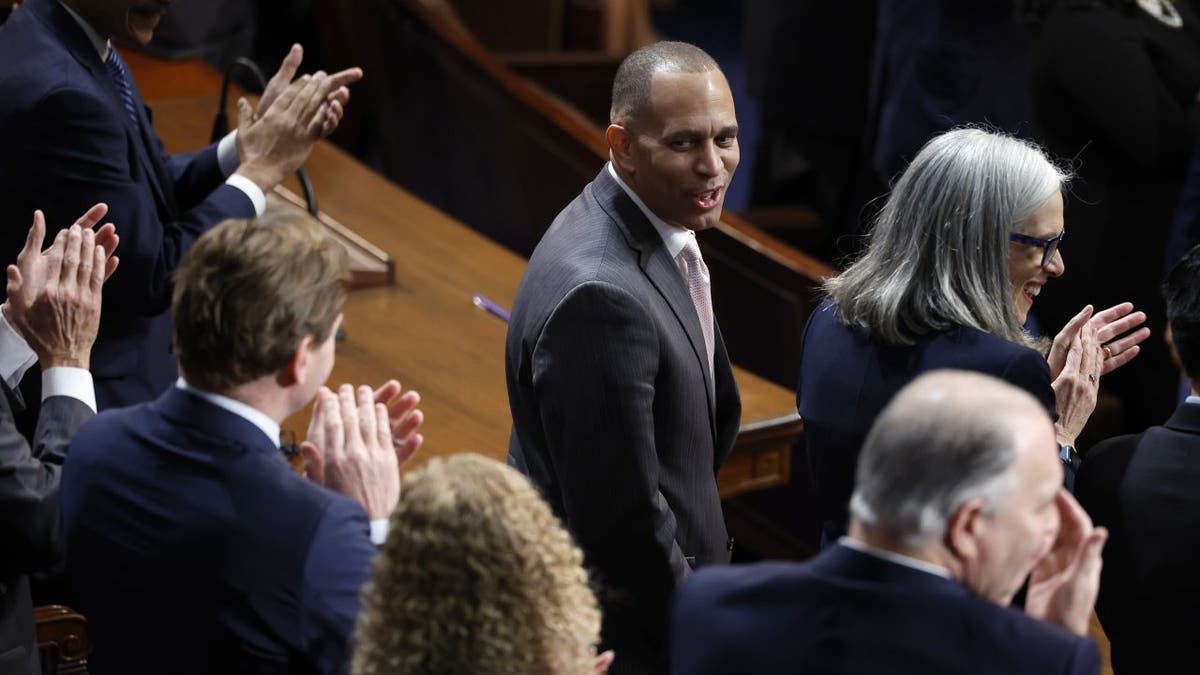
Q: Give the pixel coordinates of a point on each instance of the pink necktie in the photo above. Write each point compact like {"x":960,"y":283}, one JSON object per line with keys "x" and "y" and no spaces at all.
{"x":696,"y":275}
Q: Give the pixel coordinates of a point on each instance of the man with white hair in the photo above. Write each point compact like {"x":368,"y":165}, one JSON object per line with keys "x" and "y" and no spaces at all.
{"x":958,"y":499}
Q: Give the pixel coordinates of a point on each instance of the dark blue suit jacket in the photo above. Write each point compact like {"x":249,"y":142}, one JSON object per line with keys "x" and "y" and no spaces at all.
{"x":1143,"y":489}
{"x":847,"y":612}
{"x":193,"y":547}
{"x":67,"y":144}
{"x":846,"y":379}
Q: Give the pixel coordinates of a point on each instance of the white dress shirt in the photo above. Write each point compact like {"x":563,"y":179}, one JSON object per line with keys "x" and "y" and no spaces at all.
{"x":16,"y":358}
{"x":1194,"y":399}
{"x":270,"y":428}
{"x":675,"y":238}
{"x":897,"y":558}
{"x":227,"y":156}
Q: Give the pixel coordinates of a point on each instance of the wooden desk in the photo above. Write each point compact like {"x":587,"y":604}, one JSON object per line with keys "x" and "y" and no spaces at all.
{"x":424,"y":330}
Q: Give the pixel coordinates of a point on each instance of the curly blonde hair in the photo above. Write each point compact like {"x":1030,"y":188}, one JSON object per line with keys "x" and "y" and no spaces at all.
{"x":477,"y":576}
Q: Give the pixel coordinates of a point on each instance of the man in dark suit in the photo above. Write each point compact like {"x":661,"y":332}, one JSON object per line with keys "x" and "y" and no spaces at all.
{"x":77,"y":132}
{"x":623,"y":399}
{"x":1143,"y":488}
{"x":193,"y":547}
{"x":959,"y":497}
{"x":50,"y":317}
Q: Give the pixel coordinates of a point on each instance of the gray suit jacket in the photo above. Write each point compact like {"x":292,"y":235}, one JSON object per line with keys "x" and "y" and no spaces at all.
{"x":616,"y":417}
{"x":30,"y":534}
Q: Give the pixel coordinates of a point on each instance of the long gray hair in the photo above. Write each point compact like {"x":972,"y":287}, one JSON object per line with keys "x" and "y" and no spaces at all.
{"x":938,"y":254}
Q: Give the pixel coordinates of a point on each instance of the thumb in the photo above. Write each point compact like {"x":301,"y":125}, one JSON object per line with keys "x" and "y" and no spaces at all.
{"x":245,"y":114}
{"x":14,"y":278}
{"x":314,"y":462}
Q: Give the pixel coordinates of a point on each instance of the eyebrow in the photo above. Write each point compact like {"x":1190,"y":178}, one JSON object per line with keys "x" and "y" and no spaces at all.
{"x":729,"y":130}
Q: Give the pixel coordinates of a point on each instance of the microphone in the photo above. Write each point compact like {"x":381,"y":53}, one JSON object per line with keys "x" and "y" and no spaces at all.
{"x":221,"y":123}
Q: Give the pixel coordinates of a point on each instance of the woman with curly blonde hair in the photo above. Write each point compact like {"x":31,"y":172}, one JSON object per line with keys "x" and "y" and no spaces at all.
{"x":477,"y":576}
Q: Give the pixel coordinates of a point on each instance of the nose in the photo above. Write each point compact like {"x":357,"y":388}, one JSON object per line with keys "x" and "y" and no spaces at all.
{"x":708,"y":163}
{"x":1056,"y":266}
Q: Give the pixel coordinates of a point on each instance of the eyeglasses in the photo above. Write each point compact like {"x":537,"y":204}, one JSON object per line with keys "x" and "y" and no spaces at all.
{"x":1048,"y":246}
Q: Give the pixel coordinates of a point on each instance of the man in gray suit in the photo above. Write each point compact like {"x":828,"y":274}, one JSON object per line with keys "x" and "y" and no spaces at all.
{"x":50,"y":317}
{"x":623,"y":399}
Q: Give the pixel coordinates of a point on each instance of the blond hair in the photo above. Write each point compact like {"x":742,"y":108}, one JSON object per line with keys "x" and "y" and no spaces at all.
{"x":249,"y":291}
{"x":477,"y":576}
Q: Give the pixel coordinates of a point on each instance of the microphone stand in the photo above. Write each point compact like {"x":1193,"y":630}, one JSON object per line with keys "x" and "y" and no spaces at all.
{"x":221,"y":123}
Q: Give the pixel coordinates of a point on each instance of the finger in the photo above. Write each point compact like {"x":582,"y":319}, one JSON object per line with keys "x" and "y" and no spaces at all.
{"x":37,"y":234}
{"x":70,"y":256}
{"x":340,"y":95}
{"x":314,"y":462}
{"x":92,"y":216}
{"x":307,"y":96}
{"x":87,"y":257}
{"x":108,"y":238}
{"x":406,"y":426}
{"x":1077,"y":321}
{"x":245,"y":114}
{"x":1074,"y":357}
{"x":366,"y":414}
{"x":316,"y":126}
{"x":289,"y":66}
{"x":1123,"y":325}
{"x":405,"y":451}
{"x":603,"y":662}
{"x":1112,"y":313}
{"x":14,"y":280}
{"x":1120,"y":359}
{"x":331,"y":426}
{"x":403,"y":405}
{"x":110,"y":266}
{"x":349,"y":410}
{"x":383,"y":434}
{"x":1075,"y":521}
{"x":343,"y":78}
{"x":99,"y":271}
{"x":387,"y":391}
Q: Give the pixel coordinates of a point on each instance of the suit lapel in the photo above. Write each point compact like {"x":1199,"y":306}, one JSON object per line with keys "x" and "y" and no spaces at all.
{"x":659,"y":268}
{"x":71,"y":36}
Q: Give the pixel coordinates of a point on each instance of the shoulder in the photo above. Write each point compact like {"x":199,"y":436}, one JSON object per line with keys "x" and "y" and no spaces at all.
{"x":734,"y":589}
{"x":1032,"y":645}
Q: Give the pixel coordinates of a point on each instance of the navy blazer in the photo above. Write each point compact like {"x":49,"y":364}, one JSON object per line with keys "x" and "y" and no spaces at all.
{"x":846,"y":379}
{"x":193,"y":547}
{"x":848,"y":612}
{"x":29,"y":518}
{"x":67,"y":144}
{"x":1143,"y":488}
{"x":617,"y":418}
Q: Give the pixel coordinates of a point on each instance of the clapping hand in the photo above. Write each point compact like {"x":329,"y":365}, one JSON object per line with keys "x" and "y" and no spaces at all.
{"x":1064,"y":583}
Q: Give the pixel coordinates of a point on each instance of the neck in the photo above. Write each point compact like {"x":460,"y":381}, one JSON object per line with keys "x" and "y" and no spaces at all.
{"x":1195,"y":387}
{"x":887,"y":540}
{"x":263,"y":395}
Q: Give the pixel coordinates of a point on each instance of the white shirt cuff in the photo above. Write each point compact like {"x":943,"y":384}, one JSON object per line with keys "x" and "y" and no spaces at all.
{"x":379,"y":531}
{"x":227,"y":157}
{"x":15,"y":355}
{"x":66,"y":381}
{"x":252,"y":191}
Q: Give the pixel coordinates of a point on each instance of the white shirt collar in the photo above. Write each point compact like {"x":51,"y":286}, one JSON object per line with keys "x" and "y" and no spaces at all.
{"x":1194,"y":400}
{"x":16,"y":357}
{"x":102,"y":46}
{"x":249,"y":413}
{"x":892,"y":556}
{"x":676,"y":238}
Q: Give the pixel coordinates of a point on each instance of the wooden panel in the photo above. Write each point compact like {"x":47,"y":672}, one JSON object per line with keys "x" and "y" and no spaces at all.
{"x":63,"y":641}
{"x":425,"y":330}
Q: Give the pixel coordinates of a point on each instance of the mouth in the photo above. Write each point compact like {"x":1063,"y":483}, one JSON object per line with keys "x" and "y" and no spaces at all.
{"x":708,"y":199}
{"x":1030,"y":291}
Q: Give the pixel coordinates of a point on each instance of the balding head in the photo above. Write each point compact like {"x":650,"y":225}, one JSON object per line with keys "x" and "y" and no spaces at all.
{"x":946,"y":437}
{"x":631,"y":87}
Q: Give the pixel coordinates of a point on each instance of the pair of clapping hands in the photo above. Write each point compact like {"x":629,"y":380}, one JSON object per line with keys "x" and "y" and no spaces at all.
{"x":359,"y":438}
{"x":1091,"y":345}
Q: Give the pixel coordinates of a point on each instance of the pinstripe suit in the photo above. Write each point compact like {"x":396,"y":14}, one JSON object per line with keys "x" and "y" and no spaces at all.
{"x":616,"y":417}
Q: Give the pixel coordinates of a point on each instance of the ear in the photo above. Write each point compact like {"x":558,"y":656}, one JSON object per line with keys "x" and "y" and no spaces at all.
{"x":295,"y":371}
{"x":966,"y":528}
{"x":620,"y":143}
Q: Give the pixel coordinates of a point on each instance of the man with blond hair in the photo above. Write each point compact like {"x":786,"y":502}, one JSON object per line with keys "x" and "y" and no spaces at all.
{"x":192,"y":544}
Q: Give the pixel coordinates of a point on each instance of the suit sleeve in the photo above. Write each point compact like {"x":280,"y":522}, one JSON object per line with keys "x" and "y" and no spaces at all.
{"x":29,"y":515}
{"x":1029,"y":371}
{"x":338,"y":564}
{"x":80,"y":155}
{"x":594,"y":369}
{"x":1085,"y":658}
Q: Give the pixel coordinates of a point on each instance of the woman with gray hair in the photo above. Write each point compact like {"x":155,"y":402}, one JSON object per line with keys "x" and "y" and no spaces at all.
{"x":965,"y":242}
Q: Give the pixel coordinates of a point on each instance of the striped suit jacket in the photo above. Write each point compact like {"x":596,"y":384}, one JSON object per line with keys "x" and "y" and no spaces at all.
{"x":616,"y":417}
